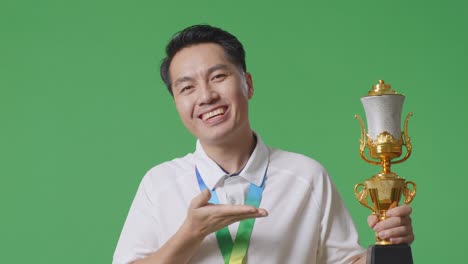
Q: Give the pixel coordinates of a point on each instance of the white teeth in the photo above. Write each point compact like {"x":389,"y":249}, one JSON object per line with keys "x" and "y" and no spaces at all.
{"x":215,"y":112}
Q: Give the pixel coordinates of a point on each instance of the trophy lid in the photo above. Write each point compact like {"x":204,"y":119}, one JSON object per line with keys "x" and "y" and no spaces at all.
{"x":381,"y":88}
{"x":383,"y":107}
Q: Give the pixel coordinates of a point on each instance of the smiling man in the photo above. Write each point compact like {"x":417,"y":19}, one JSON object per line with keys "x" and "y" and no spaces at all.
{"x":236,"y":200}
{"x":211,"y":95}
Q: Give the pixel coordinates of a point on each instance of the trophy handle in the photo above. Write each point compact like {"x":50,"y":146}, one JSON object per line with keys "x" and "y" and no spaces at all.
{"x":409,"y":193}
{"x":363,"y":141}
{"x":406,"y":140}
{"x":361,"y":195}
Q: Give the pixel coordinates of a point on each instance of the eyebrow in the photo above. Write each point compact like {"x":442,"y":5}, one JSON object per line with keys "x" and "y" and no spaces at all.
{"x":209,"y":71}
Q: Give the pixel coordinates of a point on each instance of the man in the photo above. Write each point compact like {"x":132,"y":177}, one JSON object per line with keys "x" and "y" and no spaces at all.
{"x":203,"y":207}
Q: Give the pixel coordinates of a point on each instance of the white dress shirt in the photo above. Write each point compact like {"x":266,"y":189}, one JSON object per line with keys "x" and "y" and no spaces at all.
{"x":307,"y":221}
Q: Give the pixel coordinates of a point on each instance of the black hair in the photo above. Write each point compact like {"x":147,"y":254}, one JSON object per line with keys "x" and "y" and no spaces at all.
{"x":198,"y":34}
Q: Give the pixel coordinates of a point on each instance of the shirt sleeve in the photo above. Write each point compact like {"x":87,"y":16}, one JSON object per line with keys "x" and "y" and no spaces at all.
{"x":140,"y":232}
{"x":339,"y":241}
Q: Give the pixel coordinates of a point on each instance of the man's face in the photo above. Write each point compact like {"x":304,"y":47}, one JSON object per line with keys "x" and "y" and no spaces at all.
{"x":210,"y":93}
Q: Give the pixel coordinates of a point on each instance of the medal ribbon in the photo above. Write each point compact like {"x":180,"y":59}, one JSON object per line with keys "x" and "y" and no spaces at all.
{"x":234,"y":253}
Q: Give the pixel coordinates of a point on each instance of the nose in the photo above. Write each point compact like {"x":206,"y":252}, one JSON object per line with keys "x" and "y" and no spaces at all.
{"x":208,"y":95}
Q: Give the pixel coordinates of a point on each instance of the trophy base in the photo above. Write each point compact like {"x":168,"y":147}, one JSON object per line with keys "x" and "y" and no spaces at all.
{"x":389,"y":254}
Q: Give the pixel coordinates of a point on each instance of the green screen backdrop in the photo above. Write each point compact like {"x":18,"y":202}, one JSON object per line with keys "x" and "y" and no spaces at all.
{"x":84,"y":114}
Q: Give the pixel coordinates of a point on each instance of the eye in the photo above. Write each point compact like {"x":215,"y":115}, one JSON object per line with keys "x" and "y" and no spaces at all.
{"x":219,"y":77}
{"x":186,"y":88}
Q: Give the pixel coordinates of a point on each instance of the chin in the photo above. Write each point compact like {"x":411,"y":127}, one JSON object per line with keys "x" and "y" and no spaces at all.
{"x":217,"y":137}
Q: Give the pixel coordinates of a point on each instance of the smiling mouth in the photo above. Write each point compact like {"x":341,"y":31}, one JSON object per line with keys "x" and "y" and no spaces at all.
{"x":211,"y":114}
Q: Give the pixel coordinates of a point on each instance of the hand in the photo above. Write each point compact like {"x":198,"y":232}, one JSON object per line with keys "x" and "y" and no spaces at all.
{"x":397,"y":227}
{"x":204,"y":218}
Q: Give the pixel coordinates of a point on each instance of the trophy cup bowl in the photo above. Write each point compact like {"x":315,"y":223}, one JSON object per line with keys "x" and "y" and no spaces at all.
{"x":384,"y":140}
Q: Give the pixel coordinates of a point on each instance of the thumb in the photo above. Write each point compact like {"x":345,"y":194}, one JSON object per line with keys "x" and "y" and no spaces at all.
{"x":201,"y":199}
{"x":372,"y":220}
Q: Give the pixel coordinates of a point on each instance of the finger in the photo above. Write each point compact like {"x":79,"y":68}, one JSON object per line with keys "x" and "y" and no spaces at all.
{"x":231,"y":216}
{"x":392,"y":222}
{"x":400,"y":231}
{"x":212,"y":223}
{"x":215,"y":223}
{"x":257,"y":214}
{"x":372,"y":220}
{"x":263,"y":212}
{"x":224,"y":210}
{"x":402,"y":210}
{"x":201,"y":199}
{"x":232,"y":219}
{"x":399,"y":240}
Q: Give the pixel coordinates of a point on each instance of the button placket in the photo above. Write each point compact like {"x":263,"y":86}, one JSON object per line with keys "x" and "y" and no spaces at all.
{"x":232,"y":194}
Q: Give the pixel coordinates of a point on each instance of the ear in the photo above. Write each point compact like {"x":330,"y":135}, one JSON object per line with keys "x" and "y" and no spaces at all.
{"x":250,"y":87}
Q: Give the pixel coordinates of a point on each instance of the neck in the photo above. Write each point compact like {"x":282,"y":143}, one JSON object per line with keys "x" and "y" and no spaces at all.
{"x":232,"y":156}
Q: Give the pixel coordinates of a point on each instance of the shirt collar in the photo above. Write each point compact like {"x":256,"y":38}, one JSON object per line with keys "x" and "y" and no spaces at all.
{"x":254,"y":171}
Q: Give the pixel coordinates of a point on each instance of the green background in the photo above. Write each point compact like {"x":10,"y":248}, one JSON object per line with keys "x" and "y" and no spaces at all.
{"x":84,"y":113}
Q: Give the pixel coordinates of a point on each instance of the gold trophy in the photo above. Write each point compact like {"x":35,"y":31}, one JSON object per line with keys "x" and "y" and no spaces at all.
{"x":385,"y":141}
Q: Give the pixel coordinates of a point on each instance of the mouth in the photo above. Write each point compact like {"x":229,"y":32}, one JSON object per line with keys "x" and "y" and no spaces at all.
{"x":213,"y":113}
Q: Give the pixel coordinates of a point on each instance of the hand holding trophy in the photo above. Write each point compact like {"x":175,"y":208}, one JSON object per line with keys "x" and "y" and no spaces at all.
{"x":385,"y":141}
